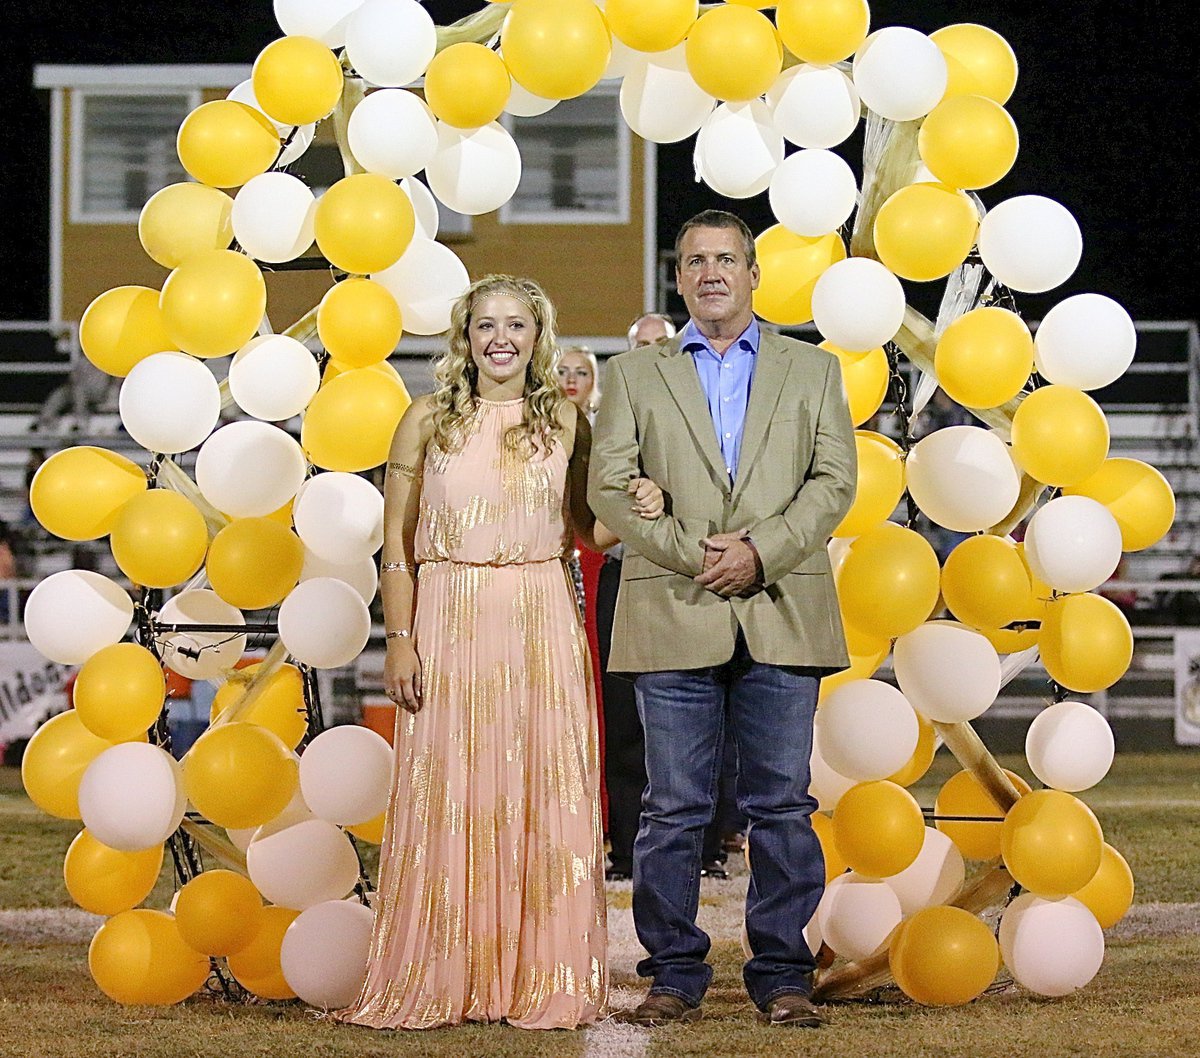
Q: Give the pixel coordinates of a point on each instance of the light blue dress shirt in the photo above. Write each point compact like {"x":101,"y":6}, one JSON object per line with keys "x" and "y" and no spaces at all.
{"x":726,"y":384}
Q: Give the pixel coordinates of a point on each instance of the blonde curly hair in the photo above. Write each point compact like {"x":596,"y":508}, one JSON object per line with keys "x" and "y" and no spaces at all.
{"x":456,"y":397}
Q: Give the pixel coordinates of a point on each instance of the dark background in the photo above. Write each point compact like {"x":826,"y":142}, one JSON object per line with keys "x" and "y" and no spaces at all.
{"x":1105,"y":105}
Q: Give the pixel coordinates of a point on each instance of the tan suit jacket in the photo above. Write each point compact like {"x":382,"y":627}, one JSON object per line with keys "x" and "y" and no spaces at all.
{"x":794,"y":482}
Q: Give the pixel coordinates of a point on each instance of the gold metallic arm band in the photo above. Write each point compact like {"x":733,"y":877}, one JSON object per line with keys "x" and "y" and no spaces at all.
{"x":392,"y":567}
{"x":396,"y":470}
{"x":398,"y":633}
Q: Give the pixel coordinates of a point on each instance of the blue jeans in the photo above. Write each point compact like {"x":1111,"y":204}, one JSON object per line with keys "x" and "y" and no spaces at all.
{"x":770,"y":713}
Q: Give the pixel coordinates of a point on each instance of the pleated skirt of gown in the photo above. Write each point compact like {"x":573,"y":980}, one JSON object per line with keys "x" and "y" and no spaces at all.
{"x":491,"y":895}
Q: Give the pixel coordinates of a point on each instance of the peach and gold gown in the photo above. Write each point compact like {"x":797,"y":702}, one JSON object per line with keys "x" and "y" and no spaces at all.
{"x":491,"y":890}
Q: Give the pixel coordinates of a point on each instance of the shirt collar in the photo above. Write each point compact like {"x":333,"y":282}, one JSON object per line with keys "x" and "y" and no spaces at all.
{"x":692,"y":341}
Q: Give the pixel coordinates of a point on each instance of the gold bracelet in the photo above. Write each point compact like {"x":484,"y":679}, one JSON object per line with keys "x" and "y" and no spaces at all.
{"x":392,"y":567}
{"x":398,"y":633}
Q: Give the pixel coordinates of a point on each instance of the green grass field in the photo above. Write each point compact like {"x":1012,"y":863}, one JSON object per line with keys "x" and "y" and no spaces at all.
{"x":1145,"y":1001}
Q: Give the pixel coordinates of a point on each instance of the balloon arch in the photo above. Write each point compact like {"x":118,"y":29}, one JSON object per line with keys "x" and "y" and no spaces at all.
{"x":256,"y":527}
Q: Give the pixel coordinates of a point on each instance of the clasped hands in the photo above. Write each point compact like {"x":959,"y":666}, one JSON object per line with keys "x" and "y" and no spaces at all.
{"x":730,"y":565}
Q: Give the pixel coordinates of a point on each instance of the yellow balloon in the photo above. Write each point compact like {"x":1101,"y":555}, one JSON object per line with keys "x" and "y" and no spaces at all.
{"x":219,"y":912}
{"x":1137,"y":496}
{"x":865,"y":379}
{"x":383,"y":369}
{"x":984,"y":357}
{"x":213,"y":303}
{"x":979,"y":61}
{"x":55,"y":760}
{"x":834,"y":864}
{"x":1010,"y":640}
{"x":1109,"y":894}
{"x":139,"y":959}
{"x":889,"y":582}
{"x":183,"y":219}
{"x":790,"y":266}
{"x":943,"y":957}
{"x":1059,"y":435}
{"x":278,"y":706}
{"x":371,"y":831}
{"x":106,"y":881}
{"x":254,"y":562}
{"x":159,"y":539}
{"x":734,"y":53}
{"x":120,"y":691}
{"x":651,"y":25}
{"x":880,"y":483}
{"x":350,"y":422}
{"x":962,"y":795}
{"x":239,"y":775}
{"x":925,"y":231}
{"x":986,"y":584}
{"x":225,"y":143}
{"x":1051,"y":843}
{"x":862,"y":667}
{"x":1086,"y":643}
{"x":878,"y":828}
{"x":922,"y":757}
{"x":256,"y":967}
{"x":297,"y":80}
{"x":556,"y":49}
{"x":78,"y":493}
{"x":968,"y":141}
{"x":122,"y":327}
{"x":364,"y":223}
{"x":823,"y":31}
{"x":467,"y":85}
{"x":359,"y":322}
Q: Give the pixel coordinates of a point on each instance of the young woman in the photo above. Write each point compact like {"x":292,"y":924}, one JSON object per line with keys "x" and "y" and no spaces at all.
{"x":491,"y":896}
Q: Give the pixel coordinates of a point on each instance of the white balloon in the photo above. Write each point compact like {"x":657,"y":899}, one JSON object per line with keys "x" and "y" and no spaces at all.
{"x":934,"y":877}
{"x":1069,"y":746}
{"x":361,"y":575}
{"x":295,"y":811}
{"x":240,"y":837}
{"x":346,"y":773}
{"x":1073,"y":543}
{"x":75,"y":612}
{"x":622,"y":61}
{"x":1086,"y":341}
{"x":339,"y":517}
{"x":324,"y":623}
{"x":856,"y":915}
{"x":1030,"y":243}
{"x":392,"y":132}
{"x":899,"y":73}
{"x":949,"y":673}
{"x":868,"y":730}
{"x":200,"y":655}
{"x":738,"y":149}
{"x":660,"y":99}
{"x":273,"y":217}
{"x":1051,"y":947}
{"x":814,"y":106}
{"x":297,"y":142}
{"x":825,"y":785}
{"x":522,"y":103}
{"x":324,"y":953}
{"x":474,"y":170}
{"x":302,"y":865}
{"x":170,"y":402}
{"x":250,"y":469}
{"x":131,"y":797}
{"x":858,"y":304}
{"x":273,"y":377}
{"x":426,"y":282}
{"x":813,"y":192}
{"x":963,"y":478}
{"x":390,"y":42}
{"x":323,"y":19}
{"x":424,"y":205}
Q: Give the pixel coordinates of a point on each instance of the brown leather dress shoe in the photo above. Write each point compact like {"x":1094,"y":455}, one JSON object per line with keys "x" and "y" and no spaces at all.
{"x":658,"y":1008}
{"x":794,"y":1009}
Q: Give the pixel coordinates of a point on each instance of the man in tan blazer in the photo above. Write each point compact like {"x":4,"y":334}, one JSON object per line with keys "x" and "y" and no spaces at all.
{"x":727,"y":613}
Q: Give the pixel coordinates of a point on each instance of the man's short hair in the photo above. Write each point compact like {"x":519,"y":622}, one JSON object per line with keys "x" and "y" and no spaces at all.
{"x":662,"y":317}
{"x":718,"y":218}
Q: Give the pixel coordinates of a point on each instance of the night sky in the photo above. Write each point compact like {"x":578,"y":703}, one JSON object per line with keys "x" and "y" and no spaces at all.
{"x":1105,"y":106}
